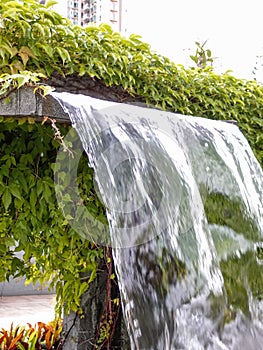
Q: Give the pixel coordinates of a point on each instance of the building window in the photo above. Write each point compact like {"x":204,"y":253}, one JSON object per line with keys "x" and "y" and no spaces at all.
{"x":114,"y":16}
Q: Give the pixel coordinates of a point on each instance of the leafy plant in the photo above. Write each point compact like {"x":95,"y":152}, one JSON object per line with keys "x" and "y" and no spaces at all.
{"x":38,"y":337}
{"x":11,"y":82}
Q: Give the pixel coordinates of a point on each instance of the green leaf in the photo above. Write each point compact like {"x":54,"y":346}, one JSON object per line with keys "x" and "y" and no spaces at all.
{"x":40,"y":187}
{"x":22,"y":120}
{"x":6,"y":198}
{"x":48,"y":49}
{"x":33,"y":198}
{"x":22,"y":80}
{"x":45,"y":89}
{"x":82,"y":70}
{"x":50,"y":3}
{"x":15,"y":191}
{"x":31,"y":120}
{"x":83,"y":288}
{"x":18,"y":203}
{"x":40,"y":30}
{"x":63,"y":53}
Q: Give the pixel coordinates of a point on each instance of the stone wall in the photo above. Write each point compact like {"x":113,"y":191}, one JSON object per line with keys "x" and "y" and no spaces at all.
{"x":25,"y":103}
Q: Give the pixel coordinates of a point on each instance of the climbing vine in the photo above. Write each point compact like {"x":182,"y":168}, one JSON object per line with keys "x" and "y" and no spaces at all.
{"x":35,"y":44}
{"x":30,"y":219}
{"x":36,"y":39}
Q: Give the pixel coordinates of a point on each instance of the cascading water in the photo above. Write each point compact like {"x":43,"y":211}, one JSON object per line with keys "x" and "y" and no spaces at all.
{"x":184,"y":203}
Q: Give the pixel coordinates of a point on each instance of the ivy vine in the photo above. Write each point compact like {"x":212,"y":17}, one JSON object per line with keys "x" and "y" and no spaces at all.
{"x":38,"y":40}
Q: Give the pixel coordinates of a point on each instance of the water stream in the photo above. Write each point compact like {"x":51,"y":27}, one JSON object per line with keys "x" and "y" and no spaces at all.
{"x":184,"y":204}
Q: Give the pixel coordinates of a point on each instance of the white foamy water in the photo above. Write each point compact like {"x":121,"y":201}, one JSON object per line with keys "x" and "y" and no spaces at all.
{"x":184,"y":203}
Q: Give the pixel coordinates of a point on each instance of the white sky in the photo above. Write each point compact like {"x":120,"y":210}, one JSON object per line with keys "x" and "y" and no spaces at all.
{"x":233,"y":29}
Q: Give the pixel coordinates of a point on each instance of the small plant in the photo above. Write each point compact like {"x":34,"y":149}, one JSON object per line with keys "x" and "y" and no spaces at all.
{"x":202,"y":57}
{"x":38,"y":337}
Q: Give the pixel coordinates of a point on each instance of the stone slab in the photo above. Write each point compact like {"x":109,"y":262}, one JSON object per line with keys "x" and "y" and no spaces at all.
{"x":24,"y":102}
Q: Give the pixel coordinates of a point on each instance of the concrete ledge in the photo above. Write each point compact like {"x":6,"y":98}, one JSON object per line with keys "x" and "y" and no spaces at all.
{"x":25,"y":103}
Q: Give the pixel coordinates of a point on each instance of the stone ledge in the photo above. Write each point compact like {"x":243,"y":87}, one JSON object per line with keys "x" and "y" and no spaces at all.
{"x":25,"y":103}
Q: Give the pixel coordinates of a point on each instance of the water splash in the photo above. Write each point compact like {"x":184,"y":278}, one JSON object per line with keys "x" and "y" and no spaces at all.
{"x":184,"y":202}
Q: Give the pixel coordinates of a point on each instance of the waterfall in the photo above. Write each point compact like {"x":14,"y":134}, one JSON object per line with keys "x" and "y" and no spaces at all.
{"x":184,"y":198}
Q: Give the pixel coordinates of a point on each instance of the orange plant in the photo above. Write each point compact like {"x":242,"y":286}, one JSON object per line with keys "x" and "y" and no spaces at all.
{"x":38,"y":337}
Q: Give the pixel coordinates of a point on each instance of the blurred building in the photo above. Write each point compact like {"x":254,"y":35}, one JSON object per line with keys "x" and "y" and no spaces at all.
{"x":84,"y":12}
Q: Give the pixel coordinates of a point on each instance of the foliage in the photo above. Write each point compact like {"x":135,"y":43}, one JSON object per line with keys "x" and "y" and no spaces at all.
{"x":36,"y":42}
{"x":202,"y":57}
{"x":40,"y":336}
{"x":10,"y":82}
{"x":31,"y":220}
